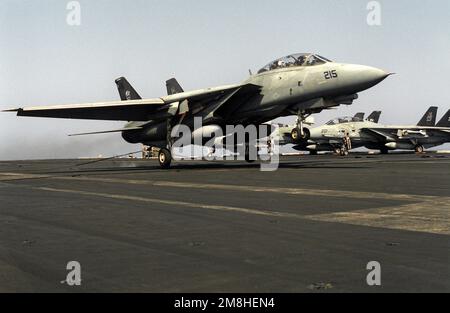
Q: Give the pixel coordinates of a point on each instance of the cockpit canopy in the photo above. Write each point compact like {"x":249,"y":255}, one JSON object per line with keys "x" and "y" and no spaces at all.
{"x":346,"y":119}
{"x":293,"y":60}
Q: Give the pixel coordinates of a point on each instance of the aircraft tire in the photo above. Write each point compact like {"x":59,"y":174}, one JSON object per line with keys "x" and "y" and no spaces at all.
{"x":296,"y":135}
{"x":419,"y":149}
{"x":164,"y":158}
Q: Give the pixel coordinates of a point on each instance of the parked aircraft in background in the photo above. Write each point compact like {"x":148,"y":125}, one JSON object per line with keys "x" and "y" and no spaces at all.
{"x":370,"y":134}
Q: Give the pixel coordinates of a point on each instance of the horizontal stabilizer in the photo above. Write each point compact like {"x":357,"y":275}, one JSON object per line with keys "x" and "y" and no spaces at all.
{"x":107,"y":131}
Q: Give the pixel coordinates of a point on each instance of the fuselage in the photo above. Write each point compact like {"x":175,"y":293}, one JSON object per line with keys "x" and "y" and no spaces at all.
{"x":308,"y":83}
{"x":328,"y":137}
{"x":286,"y":90}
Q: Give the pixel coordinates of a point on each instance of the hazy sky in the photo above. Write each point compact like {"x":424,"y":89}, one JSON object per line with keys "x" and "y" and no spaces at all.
{"x":44,"y":61}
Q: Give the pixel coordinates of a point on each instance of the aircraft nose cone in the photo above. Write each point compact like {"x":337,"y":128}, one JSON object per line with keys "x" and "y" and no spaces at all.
{"x":375,"y":75}
{"x":361,"y":77}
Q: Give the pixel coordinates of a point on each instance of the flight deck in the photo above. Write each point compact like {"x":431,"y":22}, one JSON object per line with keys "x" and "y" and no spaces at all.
{"x":311,"y":226}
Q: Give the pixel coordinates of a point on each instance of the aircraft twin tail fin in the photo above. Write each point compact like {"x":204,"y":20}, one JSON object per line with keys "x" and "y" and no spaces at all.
{"x":429,"y":119}
{"x":173,"y":87}
{"x":374,"y":116}
{"x":126,"y":91}
{"x":360,"y":115}
{"x":445,"y":121}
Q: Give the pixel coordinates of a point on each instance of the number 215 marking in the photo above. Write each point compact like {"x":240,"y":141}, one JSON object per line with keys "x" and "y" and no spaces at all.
{"x":330,"y":74}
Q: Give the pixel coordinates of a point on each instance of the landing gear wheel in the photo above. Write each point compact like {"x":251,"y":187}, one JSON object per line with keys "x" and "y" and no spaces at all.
{"x":313,"y":152}
{"x":295,"y":134}
{"x":298,"y":135}
{"x":344,"y":152}
{"x":384,"y":150}
{"x":164,"y":158}
{"x":419,"y":149}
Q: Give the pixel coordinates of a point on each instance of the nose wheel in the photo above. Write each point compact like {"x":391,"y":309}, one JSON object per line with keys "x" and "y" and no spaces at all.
{"x":164,"y":158}
{"x":295,"y":134}
{"x":299,"y":133}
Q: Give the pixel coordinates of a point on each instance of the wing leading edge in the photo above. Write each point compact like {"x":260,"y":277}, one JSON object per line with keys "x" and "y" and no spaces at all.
{"x":132,"y":110}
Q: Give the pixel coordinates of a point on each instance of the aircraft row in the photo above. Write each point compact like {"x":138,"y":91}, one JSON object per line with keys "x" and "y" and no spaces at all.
{"x":370,"y":134}
{"x":299,"y":84}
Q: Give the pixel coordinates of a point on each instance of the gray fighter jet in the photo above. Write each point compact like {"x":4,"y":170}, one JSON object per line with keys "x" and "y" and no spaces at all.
{"x":299,"y":84}
{"x":372,"y":135}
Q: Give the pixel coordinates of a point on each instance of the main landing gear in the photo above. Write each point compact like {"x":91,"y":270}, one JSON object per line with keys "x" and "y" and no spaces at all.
{"x":342,"y":151}
{"x":419,"y":149}
{"x":164,"y":158}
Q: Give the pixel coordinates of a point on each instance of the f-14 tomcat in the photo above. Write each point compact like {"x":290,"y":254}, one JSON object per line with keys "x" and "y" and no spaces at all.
{"x":299,"y":84}
{"x":370,"y":134}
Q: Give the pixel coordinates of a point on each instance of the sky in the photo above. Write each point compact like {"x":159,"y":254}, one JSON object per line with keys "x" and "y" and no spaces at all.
{"x":46,"y":61}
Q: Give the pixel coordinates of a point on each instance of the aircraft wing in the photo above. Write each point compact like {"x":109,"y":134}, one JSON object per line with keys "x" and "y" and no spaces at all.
{"x":379,"y":134}
{"x":216,"y":102}
{"x":392,"y":133}
{"x":134,"y":110}
{"x":209,"y":94}
{"x":439,"y":131}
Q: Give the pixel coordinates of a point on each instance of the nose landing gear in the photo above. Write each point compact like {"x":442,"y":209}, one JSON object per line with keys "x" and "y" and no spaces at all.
{"x":299,"y":133}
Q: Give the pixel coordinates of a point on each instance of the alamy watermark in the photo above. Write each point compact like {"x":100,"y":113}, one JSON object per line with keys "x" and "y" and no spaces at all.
{"x":73,"y":17}
{"x":374,"y":276}
{"x":229,"y":142}
{"x":374,"y":15}
{"x":73,"y":277}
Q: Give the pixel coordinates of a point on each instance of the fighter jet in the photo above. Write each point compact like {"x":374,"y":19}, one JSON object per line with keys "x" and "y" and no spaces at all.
{"x":418,"y":138}
{"x":298,"y":84}
{"x":316,"y":141}
{"x":372,"y":135}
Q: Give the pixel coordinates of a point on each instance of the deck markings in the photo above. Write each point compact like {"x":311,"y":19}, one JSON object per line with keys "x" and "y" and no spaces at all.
{"x":173,"y":202}
{"x":430,"y":214}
